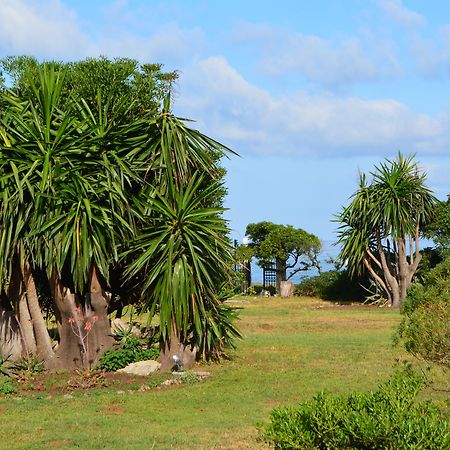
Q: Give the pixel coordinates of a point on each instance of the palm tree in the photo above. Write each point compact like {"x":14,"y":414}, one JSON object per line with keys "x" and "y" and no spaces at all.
{"x":65,"y":215}
{"x":185,"y":256}
{"x":79,"y":183}
{"x":380,"y":229}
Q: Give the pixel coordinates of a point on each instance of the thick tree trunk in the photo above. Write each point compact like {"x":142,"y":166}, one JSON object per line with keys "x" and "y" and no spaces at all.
{"x":397,"y":267}
{"x":84,"y":328}
{"x":26,"y":326}
{"x":407,"y":265}
{"x":173,"y":347}
{"x":99,"y":338}
{"x":281,"y":273}
{"x":44,"y":350}
{"x":69,"y":354}
{"x":396,"y":300}
{"x":16,"y":292}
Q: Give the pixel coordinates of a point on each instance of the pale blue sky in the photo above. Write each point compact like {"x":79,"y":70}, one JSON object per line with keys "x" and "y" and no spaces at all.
{"x":308,"y":93}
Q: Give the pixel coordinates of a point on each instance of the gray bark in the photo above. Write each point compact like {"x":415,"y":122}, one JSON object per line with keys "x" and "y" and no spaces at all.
{"x":44,"y":350}
{"x":10,"y":338}
{"x":174,"y":347}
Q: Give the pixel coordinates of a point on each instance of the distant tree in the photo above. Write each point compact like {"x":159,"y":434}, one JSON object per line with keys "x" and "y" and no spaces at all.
{"x":380,"y":228}
{"x":286,"y":246}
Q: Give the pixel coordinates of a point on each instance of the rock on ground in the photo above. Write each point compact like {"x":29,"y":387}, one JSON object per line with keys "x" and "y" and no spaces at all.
{"x":142,"y":368}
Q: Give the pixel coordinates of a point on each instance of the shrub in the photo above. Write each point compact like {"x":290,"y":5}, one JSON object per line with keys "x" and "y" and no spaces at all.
{"x":29,"y":365}
{"x":6,"y":385}
{"x":425,"y":329}
{"x":87,"y":379}
{"x":332,"y":285}
{"x":129,"y":352}
{"x":387,"y":418}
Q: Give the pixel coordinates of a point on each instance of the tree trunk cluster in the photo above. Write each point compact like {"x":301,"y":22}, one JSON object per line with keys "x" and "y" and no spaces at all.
{"x":394,"y":266}
{"x":82,"y":322}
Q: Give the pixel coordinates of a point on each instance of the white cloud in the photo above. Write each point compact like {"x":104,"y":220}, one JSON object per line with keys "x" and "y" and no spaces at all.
{"x":253,"y":122}
{"x":332,"y":63}
{"x":398,"y":13}
{"x":46,"y":28}
{"x":49,"y":29}
{"x":432,"y":56}
{"x":169,"y":44}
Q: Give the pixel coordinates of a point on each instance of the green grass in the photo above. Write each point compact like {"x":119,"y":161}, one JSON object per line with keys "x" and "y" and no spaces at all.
{"x":291,"y":349}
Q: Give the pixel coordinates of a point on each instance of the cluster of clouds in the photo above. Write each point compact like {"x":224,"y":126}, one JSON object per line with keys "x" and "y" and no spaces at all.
{"x":322,"y":116}
{"x":237,"y":111}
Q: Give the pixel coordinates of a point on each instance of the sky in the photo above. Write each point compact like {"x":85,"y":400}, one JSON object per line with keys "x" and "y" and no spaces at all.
{"x":309,"y":94}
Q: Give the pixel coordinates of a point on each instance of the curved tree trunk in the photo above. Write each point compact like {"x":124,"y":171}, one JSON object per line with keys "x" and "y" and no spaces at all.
{"x":44,"y":350}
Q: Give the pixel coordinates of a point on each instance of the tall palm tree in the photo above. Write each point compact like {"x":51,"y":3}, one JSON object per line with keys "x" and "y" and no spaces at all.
{"x":380,"y":229}
{"x":185,"y":256}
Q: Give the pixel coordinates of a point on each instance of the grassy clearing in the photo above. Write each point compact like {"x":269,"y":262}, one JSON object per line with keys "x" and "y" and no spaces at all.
{"x":292,"y":349}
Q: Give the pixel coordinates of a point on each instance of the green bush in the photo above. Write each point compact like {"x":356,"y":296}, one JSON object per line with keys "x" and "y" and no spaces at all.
{"x":29,"y":365}
{"x":332,"y":285}
{"x":425,"y":329}
{"x":129,"y":352}
{"x":6,"y":385}
{"x":387,"y":418}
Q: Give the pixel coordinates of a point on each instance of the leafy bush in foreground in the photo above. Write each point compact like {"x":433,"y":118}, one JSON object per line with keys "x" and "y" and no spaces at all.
{"x":387,"y":418}
{"x":425,"y":328}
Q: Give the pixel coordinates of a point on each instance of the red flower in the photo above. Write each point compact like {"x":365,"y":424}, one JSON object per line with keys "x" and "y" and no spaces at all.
{"x":87,"y":326}
{"x":77,"y":309}
{"x":94,"y":318}
{"x":71,"y":319}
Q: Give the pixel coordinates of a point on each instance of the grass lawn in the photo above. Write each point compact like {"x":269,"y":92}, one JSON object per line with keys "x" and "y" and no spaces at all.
{"x":291,"y":349}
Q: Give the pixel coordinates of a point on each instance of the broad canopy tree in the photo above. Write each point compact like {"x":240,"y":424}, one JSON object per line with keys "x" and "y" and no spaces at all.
{"x":289,"y":248}
{"x":380,"y":228}
{"x":96,"y":177}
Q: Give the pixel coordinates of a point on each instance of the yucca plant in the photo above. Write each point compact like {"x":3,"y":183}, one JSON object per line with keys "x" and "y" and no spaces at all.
{"x":380,"y":229}
{"x":184,"y":256}
{"x":84,"y":180}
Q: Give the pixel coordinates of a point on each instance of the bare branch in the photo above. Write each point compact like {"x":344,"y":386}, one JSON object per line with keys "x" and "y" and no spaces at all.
{"x":374,"y":259}
{"x":377,"y":278}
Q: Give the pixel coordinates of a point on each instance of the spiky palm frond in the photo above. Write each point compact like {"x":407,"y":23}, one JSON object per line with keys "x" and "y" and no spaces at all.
{"x":183,"y":255}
